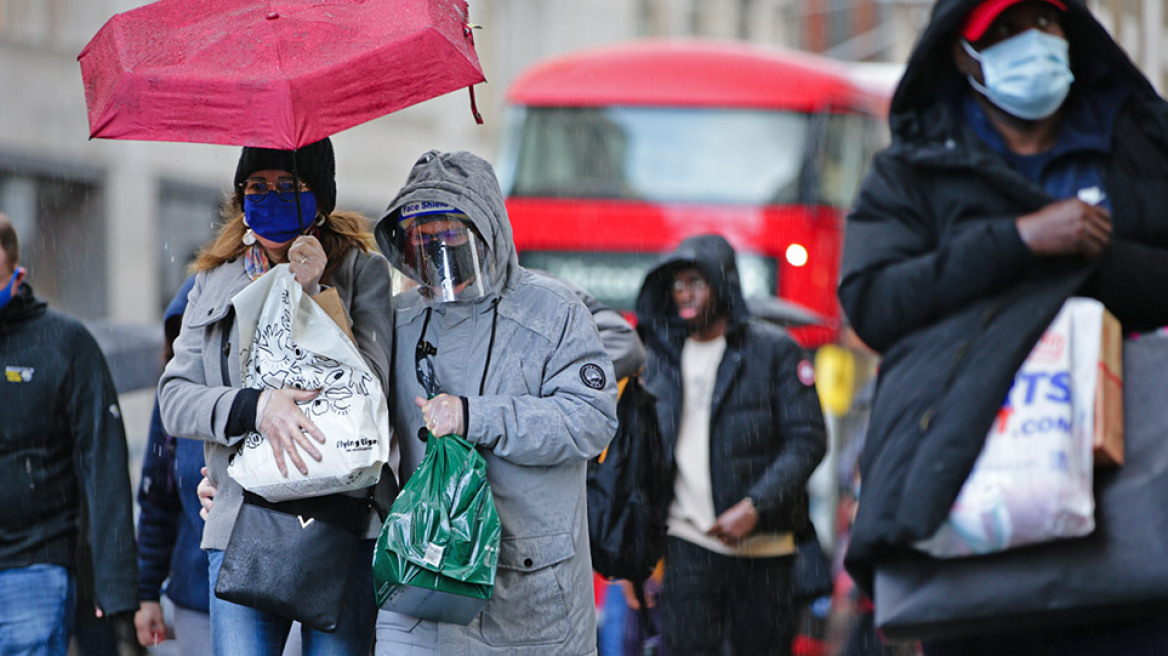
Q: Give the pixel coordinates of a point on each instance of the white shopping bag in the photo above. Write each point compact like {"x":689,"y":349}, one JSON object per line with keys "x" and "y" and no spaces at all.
{"x":287,"y":340}
{"x":1033,"y":480}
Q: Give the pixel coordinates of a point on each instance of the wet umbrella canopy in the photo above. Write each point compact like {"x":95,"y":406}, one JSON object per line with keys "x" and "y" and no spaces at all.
{"x":267,"y":73}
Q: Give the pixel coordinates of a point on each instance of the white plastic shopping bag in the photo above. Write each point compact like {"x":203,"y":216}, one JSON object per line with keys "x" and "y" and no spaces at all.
{"x":1033,"y":480}
{"x":287,"y":340}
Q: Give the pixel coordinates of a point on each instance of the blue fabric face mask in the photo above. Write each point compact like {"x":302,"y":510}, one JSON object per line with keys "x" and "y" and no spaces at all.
{"x":1028,"y":75}
{"x":274,"y":218}
{"x":9,"y":291}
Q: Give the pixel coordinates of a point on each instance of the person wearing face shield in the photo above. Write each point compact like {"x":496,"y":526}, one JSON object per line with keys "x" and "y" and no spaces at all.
{"x":511,"y":361}
{"x":444,"y":253}
{"x":1028,"y":164}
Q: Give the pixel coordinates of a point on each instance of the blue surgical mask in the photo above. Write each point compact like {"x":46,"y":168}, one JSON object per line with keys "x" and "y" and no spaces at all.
{"x":9,"y":291}
{"x":275,"y":218}
{"x":1028,"y":75}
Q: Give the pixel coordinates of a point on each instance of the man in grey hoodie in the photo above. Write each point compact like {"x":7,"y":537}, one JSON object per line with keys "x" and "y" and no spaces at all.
{"x":519,"y":371}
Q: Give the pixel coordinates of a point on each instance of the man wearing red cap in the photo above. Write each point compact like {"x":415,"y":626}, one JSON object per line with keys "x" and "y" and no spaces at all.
{"x":1028,"y":164}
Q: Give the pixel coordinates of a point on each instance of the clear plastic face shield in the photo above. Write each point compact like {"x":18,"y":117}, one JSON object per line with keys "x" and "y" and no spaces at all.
{"x":443,"y":253}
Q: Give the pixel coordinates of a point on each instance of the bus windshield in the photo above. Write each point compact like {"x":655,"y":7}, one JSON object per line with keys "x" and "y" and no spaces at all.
{"x":615,"y":278}
{"x":661,"y":155}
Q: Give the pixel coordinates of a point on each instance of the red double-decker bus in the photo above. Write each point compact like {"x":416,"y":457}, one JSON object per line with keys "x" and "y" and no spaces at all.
{"x":613,"y":155}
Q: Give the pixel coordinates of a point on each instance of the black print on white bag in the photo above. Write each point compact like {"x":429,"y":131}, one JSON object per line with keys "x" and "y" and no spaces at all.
{"x":296,"y":344}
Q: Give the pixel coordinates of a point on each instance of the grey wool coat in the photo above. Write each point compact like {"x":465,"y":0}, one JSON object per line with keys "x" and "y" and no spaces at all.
{"x":541,"y":401}
{"x":202,"y":380}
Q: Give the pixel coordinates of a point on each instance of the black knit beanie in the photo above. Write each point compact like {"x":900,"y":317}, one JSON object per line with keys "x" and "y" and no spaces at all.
{"x":315,"y":164}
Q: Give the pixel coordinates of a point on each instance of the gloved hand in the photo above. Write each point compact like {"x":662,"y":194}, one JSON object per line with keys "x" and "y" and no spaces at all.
{"x":442,"y":414}
{"x":284,"y":425}
{"x":306,"y":260}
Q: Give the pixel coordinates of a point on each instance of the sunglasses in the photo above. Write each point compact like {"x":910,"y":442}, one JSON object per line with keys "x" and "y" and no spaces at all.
{"x":452,"y":237}
{"x":258,"y":188}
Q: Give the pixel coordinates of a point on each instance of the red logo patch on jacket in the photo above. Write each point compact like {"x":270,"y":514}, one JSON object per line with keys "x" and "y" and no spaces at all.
{"x":806,"y":372}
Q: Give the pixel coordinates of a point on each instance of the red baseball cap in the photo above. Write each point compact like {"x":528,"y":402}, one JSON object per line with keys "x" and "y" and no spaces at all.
{"x":978,"y":20}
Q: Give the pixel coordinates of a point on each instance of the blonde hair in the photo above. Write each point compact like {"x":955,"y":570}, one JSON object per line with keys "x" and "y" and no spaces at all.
{"x":340,"y":232}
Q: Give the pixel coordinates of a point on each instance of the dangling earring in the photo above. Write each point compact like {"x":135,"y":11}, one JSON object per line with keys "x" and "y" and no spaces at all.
{"x":315,"y":229}
{"x":249,"y":236}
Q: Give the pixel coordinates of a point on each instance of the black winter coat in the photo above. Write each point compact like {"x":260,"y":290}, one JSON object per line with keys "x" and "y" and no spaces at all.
{"x":936,"y":277}
{"x":766,"y":427}
{"x":62,"y":445}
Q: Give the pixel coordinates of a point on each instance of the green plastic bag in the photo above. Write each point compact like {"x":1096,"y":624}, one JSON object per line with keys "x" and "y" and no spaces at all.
{"x":439,"y":547}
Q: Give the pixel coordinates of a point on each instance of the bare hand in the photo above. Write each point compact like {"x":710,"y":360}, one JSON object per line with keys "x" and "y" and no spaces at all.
{"x":442,"y":414}
{"x":149,"y":624}
{"x":1068,"y":227}
{"x":206,"y":492}
{"x":283,"y":425}
{"x":736,"y":523}
{"x":306,"y":260}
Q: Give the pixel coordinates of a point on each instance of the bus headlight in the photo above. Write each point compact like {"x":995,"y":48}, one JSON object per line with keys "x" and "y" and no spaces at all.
{"x":796,"y":255}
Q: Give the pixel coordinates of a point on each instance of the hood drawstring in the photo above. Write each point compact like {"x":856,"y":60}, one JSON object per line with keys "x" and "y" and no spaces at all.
{"x":490,"y":344}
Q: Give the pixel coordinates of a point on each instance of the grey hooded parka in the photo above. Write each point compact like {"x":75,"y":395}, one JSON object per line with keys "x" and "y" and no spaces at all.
{"x":541,"y":399}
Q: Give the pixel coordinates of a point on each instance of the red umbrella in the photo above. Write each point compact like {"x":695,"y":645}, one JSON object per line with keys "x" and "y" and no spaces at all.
{"x":269,"y":73}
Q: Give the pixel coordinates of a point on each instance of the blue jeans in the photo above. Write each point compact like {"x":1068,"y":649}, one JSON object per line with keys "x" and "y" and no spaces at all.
{"x":616,"y":614}
{"x":238,"y":630}
{"x":36,"y":610}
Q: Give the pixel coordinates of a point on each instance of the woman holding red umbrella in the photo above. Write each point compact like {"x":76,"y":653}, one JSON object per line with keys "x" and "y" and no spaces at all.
{"x":272,"y":218}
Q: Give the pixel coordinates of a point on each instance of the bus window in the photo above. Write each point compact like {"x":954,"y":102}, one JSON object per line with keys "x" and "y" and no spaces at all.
{"x":652,"y":154}
{"x":615,"y":277}
{"x":841,"y":159}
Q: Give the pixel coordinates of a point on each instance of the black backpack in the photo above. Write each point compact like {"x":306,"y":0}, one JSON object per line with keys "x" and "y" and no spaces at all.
{"x":626,"y":489}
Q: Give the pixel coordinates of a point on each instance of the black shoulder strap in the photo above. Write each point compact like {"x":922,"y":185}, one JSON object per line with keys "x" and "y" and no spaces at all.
{"x":225,"y":347}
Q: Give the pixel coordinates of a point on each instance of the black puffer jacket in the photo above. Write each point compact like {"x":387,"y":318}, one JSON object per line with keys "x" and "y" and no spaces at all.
{"x":766,"y":427}
{"x":936,"y":277}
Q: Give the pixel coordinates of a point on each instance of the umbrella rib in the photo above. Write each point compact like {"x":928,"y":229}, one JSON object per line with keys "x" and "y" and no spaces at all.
{"x":273,"y":18}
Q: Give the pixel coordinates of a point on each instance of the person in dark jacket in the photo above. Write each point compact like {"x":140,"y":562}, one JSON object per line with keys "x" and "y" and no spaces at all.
{"x":170,"y":528}
{"x":743,"y":432}
{"x":63,"y":445}
{"x":1028,"y":164}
